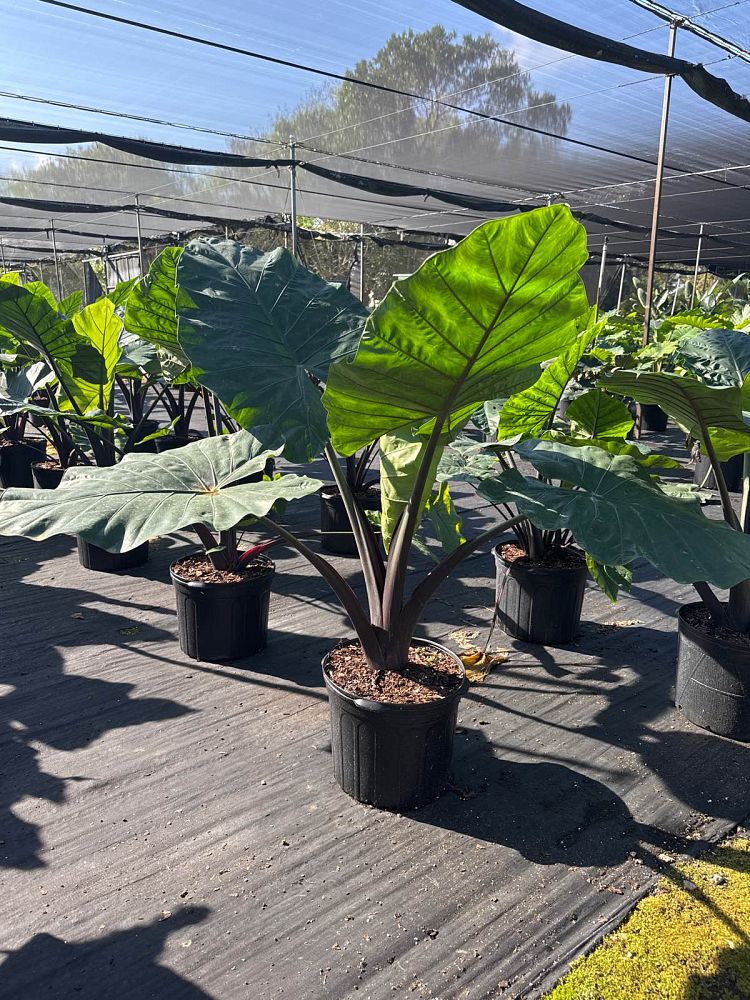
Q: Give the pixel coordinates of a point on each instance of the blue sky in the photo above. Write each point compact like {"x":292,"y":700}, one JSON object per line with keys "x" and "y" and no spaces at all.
{"x":62,"y":55}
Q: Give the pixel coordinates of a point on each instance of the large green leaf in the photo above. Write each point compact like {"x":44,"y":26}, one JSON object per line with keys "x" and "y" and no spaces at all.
{"x":71,"y":303}
{"x":718,"y":357}
{"x":16,"y":388}
{"x":399,"y":460}
{"x":145,"y":495}
{"x":460,"y":329}
{"x":617,"y":513}
{"x":616,"y":446}
{"x":151,"y":303}
{"x":33,"y":320}
{"x":259,"y":326}
{"x":528,"y":413}
{"x":703,"y":411}
{"x":29,"y":313}
{"x":598,"y":415}
{"x":100,"y":327}
{"x":466,"y":460}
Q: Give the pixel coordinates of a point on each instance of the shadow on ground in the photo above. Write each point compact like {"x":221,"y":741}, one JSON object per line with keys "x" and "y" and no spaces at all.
{"x":44,"y":704}
{"x":123,"y":964}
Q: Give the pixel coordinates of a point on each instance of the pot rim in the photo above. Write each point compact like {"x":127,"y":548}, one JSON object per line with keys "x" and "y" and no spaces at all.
{"x":703,"y":638}
{"x":256,"y":578}
{"x":387,"y":706}
{"x":535,"y":567}
{"x":331,"y":490}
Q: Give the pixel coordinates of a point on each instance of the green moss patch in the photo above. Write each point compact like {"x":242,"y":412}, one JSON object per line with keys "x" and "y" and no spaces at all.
{"x":689,"y":940}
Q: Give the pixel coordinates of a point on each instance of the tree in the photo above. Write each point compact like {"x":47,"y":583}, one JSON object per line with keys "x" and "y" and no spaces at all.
{"x":474,"y":72}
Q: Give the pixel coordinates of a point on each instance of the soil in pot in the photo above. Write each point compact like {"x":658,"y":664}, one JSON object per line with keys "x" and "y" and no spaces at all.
{"x":92,"y":557}
{"x":222,"y":614}
{"x":335,"y":526}
{"x":392,"y":733}
{"x":732,"y":470}
{"x":713,"y":674}
{"x":47,"y":474}
{"x":15,"y":462}
{"x":540,"y":600}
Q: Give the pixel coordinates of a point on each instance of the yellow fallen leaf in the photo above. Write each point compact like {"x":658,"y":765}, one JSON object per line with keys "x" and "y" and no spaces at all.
{"x":478,"y":665}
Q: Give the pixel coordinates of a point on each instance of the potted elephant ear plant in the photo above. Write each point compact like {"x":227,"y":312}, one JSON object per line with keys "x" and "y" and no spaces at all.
{"x":472,"y":324}
{"x":541,"y":572}
{"x":712,"y":404}
{"x":222,"y":592}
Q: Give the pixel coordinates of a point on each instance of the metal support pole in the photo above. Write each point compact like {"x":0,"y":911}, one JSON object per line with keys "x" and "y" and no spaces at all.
{"x":57,"y":262}
{"x":362,"y":262}
{"x":622,"y":285}
{"x":674,"y":300}
{"x":2,"y":256}
{"x":293,"y":192}
{"x":697,"y":265}
{"x":140,"y":237}
{"x":657,"y":193}
{"x":602,"y":265}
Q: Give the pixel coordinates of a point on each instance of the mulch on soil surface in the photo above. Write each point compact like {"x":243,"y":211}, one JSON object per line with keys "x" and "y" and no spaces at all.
{"x":199,"y":569}
{"x":429,"y":676}
{"x":552,"y":558}
{"x":701,"y":619}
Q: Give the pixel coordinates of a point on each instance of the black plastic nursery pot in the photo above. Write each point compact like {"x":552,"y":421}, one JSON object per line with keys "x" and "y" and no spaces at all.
{"x":713,"y":679}
{"x":653,"y":418}
{"x":539,"y":603}
{"x":336,"y":528}
{"x":392,"y":756}
{"x":171,"y":441}
{"x":92,"y":557}
{"x":257,"y":477}
{"x":223,"y":621}
{"x":15,"y":462}
{"x":146,"y":428}
{"x":46,"y":477}
{"x":732,"y":470}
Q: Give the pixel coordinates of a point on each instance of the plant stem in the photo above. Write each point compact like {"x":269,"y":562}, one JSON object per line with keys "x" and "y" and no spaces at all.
{"x":726,"y":501}
{"x":366,"y":632}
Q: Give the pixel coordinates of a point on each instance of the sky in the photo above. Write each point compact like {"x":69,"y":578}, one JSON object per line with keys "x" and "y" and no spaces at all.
{"x":58,"y":55}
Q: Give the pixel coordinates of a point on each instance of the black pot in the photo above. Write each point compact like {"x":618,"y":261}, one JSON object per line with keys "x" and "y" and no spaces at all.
{"x":15,"y":463}
{"x":223,"y":621}
{"x":713,"y":680}
{"x":92,"y":557}
{"x":171,"y":441}
{"x":257,"y":477}
{"x":392,"y":756}
{"x":732,"y":470}
{"x":539,"y":603}
{"x":46,"y":478}
{"x":146,"y":427}
{"x":336,"y":528}
{"x":653,"y":418}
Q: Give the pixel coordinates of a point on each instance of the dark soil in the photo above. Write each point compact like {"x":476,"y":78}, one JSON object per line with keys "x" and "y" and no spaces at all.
{"x":429,"y":676}
{"x":33,"y":442}
{"x":700,"y":619}
{"x":557,"y":558}
{"x":199,"y":569}
{"x":369,"y":493}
